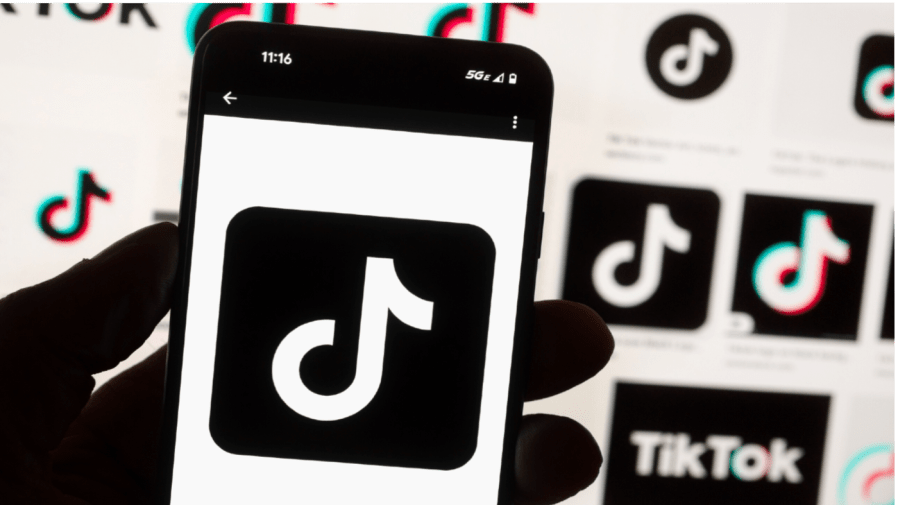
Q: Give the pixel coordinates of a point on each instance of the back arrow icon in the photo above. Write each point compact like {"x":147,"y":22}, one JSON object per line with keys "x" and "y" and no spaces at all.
{"x":228,"y":98}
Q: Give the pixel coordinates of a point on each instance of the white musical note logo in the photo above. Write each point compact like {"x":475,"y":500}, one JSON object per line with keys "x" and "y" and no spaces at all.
{"x":808,"y":261}
{"x":660,"y":232}
{"x":700,"y":44}
{"x":383,"y":293}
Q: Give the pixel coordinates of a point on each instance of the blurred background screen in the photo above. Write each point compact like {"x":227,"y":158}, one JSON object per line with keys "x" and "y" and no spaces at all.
{"x":720,"y":189}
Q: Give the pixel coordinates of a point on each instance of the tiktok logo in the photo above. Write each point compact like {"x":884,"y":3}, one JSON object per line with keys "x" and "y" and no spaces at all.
{"x":351,"y":338}
{"x":689,"y":56}
{"x":680,"y":457}
{"x":449,"y":17}
{"x":85,"y":191}
{"x":807,"y":262}
{"x":783,"y":285}
{"x":683,"y":446}
{"x":660,"y":232}
{"x":632,"y":281}
{"x":879,"y":91}
{"x":874,"y":97}
{"x":205,"y":16}
{"x":868,"y":477}
{"x":384,"y":294}
{"x":693,"y":54}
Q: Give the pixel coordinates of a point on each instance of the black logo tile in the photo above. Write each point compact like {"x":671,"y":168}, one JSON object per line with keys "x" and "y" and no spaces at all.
{"x":801,"y":266}
{"x":683,"y":446}
{"x":405,"y":305}
{"x":641,"y":254}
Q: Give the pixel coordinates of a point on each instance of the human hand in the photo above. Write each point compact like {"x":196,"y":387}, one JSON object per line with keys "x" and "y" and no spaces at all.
{"x":63,"y":445}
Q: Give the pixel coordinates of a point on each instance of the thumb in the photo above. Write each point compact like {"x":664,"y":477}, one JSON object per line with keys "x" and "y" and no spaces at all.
{"x":55,"y":335}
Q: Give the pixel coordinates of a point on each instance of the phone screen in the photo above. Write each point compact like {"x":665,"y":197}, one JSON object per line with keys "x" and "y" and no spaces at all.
{"x":354,"y":286}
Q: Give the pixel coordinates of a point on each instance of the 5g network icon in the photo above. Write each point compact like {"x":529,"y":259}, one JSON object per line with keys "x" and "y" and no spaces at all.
{"x":689,"y":56}
{"x":641,"y":254}
{"x":351,"y":338}
{"x":801,"y":266}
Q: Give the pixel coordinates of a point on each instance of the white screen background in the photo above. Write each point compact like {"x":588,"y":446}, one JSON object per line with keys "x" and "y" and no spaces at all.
{"x":250,"y":162}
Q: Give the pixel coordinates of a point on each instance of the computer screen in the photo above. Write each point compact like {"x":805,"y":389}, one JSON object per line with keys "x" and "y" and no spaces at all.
{"x":720,"y":190}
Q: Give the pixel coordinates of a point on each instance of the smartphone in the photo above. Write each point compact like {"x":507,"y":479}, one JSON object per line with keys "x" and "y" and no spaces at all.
{"x":360,"y":224}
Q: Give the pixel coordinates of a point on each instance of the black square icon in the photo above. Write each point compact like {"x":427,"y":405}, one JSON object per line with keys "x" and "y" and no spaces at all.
{"x":688,"y":446}
{"x":641,"y":254}
{"x":405,"y":305}
{"x":887,"y":328}
{"x":875,"y":89}
{"x":801,"y":266}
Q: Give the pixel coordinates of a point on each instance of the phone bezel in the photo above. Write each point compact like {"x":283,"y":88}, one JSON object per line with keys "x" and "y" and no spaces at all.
{"x":405,"y":71}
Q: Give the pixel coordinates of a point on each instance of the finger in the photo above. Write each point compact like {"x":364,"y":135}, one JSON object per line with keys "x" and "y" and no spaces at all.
{"x":55,"y":335}
{"x":571,"y":344}
{"x":110,"y":452}
{"x":555,"y":459}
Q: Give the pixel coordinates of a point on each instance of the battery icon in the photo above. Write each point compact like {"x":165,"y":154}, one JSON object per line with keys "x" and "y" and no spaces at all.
{"x":512,"y":78}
